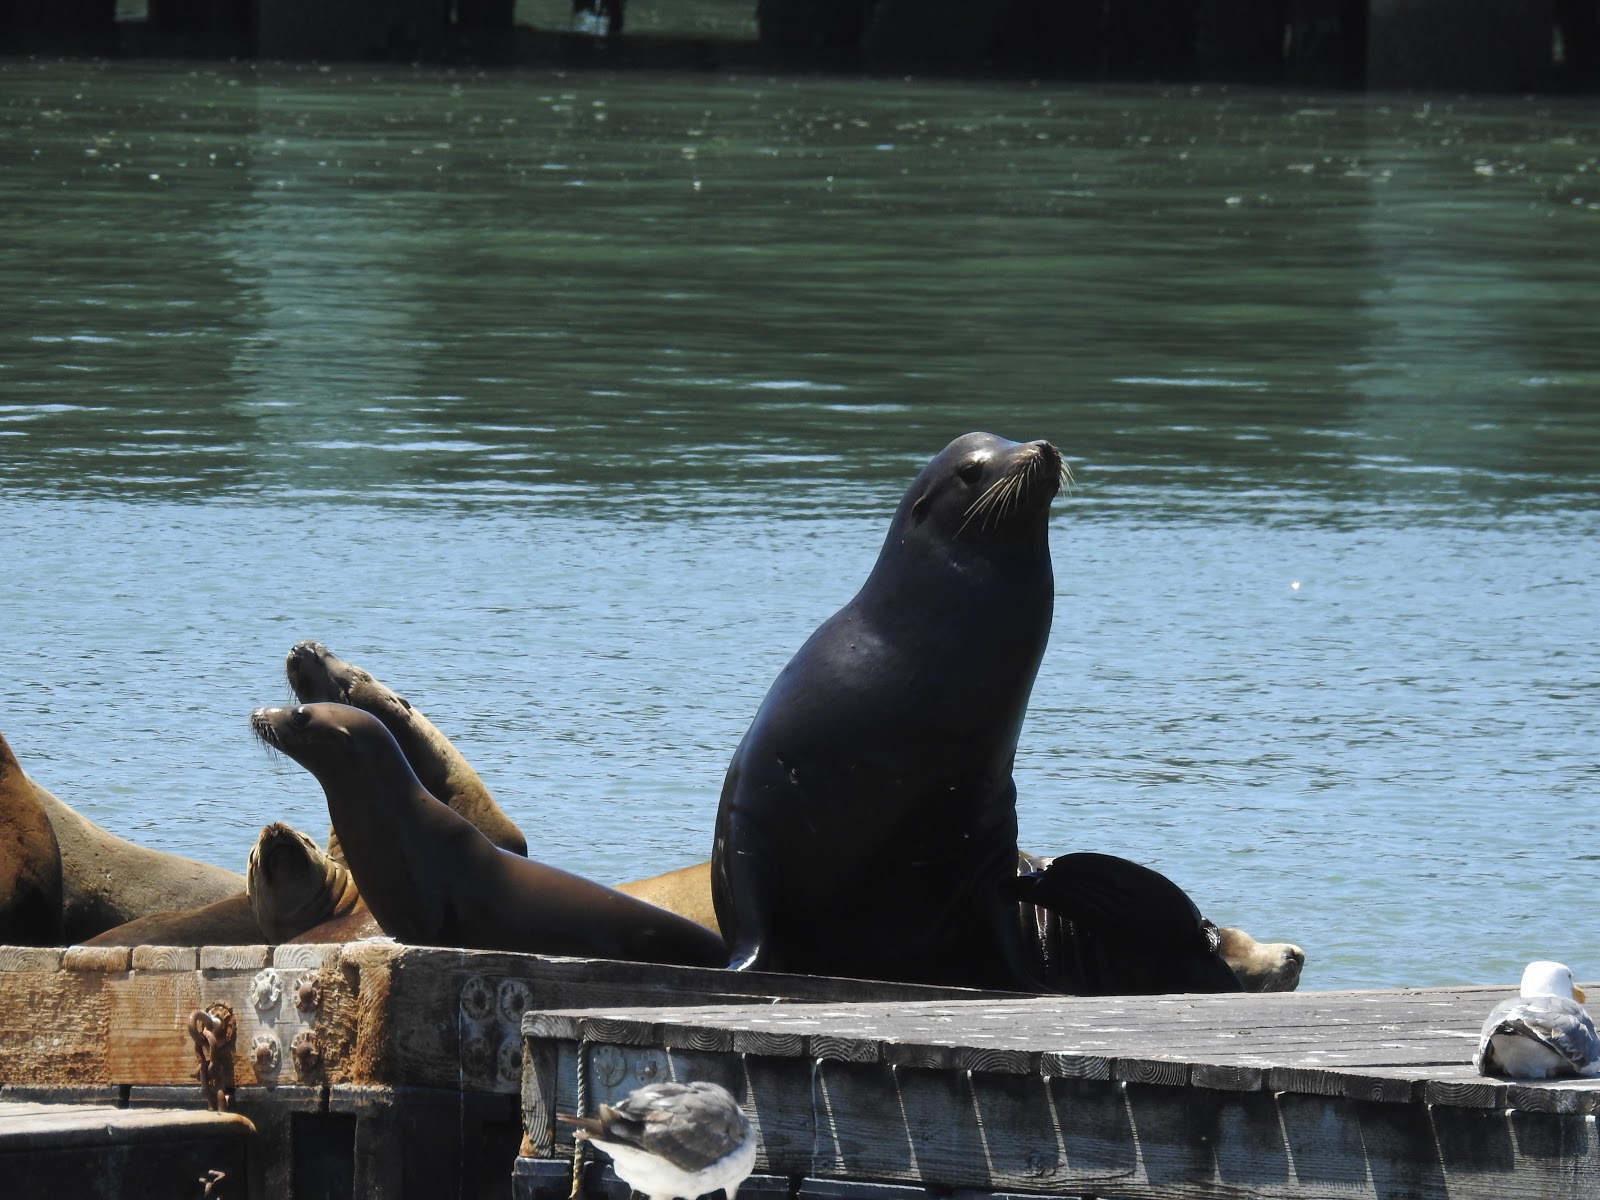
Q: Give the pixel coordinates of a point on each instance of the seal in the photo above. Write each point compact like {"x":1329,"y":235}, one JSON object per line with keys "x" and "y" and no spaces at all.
{"x":867,"y":825}
{"x":431,"y":877}
{"x":30,"y":861}
{"x":317,"y":675}
{"x":686,"y":891}
{"x":292,"y":885}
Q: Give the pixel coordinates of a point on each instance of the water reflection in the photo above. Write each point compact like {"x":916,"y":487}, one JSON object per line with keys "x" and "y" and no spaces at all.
{"x":462,"y":287}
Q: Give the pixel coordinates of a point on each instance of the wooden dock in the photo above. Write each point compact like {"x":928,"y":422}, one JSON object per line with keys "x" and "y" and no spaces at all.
{"x":1303,"y":1096}
{"x":368,"y":1070}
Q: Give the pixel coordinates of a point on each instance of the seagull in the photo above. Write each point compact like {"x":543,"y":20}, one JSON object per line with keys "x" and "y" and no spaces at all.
{"x":674,"y":1141}
{"x":1543,"y":1033}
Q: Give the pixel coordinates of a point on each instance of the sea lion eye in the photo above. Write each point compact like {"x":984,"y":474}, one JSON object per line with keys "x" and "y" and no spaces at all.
{"x":971,"y":472}
{"x":300,"y":718}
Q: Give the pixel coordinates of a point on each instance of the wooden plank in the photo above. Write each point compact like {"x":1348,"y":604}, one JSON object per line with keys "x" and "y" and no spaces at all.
{"x":96,"y":958}
{"x":235,"y":958}
{"x":164,"y":958}
{"x":27,"y":1126}
{"x":998,"y":1132}
{"x":29,"y":958}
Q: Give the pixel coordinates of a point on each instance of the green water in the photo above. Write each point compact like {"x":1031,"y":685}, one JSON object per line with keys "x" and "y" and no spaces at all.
{"x":570,"y":403}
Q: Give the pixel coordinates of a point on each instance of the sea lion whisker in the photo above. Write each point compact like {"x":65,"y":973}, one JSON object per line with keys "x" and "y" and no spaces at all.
{"x":980,"y":506}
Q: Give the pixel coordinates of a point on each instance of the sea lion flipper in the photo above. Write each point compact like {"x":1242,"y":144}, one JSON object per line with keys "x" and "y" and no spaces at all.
{"x":1123,"y":928}
{"x":1107,"y":891}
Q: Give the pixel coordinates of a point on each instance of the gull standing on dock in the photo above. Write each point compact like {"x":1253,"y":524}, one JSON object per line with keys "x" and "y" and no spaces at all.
{"x":674,"y":1141}
{"x":1543,"y":1033}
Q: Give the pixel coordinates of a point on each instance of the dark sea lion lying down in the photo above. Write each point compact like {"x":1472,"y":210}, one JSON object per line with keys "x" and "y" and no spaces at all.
{"x":431,"y":878}
{"x":1258,"y":966}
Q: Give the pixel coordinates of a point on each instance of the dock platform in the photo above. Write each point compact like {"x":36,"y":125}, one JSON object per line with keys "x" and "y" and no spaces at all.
{"x":1303,"y":1096}
{"x":367,"y":1069}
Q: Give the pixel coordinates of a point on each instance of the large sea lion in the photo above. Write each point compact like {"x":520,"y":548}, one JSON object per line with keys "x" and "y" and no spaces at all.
{"x":431,"y":878}
{"x":318,"y":675}
{"x":867,"y":825}
{"x":30,"y":861}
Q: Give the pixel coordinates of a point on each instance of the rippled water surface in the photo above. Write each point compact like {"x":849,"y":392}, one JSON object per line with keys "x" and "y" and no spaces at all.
{"x":569,"y":404}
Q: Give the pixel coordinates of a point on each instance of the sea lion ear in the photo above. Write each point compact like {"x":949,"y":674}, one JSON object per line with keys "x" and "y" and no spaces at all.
{"x":919,"y":507}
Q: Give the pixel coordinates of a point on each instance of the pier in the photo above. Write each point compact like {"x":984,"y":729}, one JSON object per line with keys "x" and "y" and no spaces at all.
{"x":376,"y":1070}
{"x":1303,"y":1096}
{"x":368,"y":1069}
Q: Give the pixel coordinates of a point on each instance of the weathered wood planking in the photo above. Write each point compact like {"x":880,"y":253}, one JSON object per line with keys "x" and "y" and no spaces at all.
{"x":1301,"y":1095}
{"x":385,"y":1014}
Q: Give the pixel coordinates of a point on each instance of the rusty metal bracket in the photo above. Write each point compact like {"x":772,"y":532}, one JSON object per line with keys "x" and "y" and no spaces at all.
{"x":212,"y":1030}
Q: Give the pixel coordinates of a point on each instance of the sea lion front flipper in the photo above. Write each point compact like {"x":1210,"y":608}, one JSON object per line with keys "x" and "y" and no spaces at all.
{"x":1123,"y":929}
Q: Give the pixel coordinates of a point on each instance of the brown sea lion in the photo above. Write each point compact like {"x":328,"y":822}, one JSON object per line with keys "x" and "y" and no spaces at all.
{"x":356,"y":925}
{"x":108,"y":881}
{"x":292,"y":885}
{"x":686,"y":891}
{"x":868,"y":822}
{"x":431,"y":878}
{"x":229,"y":922}
{"x":30,"y":861}
{"x":318,"y":675}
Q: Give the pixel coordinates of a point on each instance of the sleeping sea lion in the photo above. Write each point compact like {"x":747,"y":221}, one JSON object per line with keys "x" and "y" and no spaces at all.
{"x":1258,"y":966}
{"x":1261,"y":966}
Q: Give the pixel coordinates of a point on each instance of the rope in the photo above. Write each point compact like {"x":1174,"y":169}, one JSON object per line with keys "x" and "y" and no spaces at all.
{"x":579,"y":1144}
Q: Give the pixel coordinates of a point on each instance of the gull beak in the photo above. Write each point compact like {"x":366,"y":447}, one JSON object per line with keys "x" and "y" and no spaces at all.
{"x":1577,"y":994}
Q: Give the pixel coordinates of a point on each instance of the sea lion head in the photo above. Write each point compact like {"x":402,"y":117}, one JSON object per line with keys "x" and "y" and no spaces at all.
{"x":318,"y":675}
{"x":326,"y":738}
{"x":982,"y":488}
{"x":291,"y":883}
{"x":1261,"y":966}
